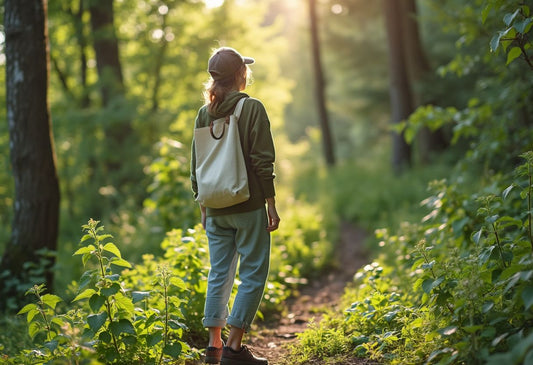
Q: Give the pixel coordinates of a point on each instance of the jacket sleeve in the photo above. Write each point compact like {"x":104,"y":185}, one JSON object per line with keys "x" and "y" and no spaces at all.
{"x":262,"y":152}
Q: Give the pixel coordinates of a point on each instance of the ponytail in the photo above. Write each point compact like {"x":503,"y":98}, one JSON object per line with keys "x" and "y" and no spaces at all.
{"x":216,"y":90}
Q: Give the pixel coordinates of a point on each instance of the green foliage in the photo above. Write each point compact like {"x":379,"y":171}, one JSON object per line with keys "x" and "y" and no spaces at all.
{"x":515,"y":39}
{"x":152,"y":312}
{"x":457,"y":287}
{"x":109,"y":322}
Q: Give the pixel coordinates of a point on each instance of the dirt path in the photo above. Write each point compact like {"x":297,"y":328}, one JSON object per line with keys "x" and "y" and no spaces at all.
{"x":273,"y":338}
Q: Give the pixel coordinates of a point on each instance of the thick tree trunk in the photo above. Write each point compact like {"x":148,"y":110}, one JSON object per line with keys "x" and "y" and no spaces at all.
{"x":320,"y":87}
{"x":36,"y":203}
{"x":401,"y":99}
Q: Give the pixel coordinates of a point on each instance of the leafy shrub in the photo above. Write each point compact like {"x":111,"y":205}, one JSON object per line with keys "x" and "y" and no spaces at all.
{"x":456,"y":287}
{"x":111,"y":322}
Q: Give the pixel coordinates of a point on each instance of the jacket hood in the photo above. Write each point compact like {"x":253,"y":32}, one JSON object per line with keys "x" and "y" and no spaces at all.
{"x":226,"y":107}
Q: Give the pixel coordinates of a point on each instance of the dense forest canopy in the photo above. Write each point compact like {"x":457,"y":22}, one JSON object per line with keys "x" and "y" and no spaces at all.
{"x":413,"y":91}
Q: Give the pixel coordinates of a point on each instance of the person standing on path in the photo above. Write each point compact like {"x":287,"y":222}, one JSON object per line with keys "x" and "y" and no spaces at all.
{"x":242,"y":231}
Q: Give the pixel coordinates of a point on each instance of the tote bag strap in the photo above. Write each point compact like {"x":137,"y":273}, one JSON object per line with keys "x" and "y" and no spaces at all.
{"x":236,"y":113}
{"x":238,"y":108}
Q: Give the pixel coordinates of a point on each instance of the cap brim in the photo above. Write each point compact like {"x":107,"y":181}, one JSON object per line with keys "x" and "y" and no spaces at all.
{"x":248,"y":60}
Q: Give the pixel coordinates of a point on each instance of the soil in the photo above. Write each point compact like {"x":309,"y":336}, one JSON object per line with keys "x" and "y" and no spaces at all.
{"x":273,"y":339}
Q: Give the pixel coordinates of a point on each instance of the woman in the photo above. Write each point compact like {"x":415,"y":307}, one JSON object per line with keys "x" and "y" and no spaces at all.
{"x":242,"y":231}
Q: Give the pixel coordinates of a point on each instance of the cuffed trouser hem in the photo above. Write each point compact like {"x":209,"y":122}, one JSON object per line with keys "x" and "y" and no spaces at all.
{"x":214,"y":322}
{"x":232,"y":321}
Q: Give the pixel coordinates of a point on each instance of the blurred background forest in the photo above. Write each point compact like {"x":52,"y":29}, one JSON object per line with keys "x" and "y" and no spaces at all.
{"x":383,"y":98}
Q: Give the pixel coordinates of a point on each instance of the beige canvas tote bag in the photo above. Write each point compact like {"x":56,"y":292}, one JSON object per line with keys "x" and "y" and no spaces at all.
{"x":220,"y":168}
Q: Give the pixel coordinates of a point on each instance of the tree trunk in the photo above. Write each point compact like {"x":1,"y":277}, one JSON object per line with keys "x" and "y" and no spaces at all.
{"x":401,"y":99}
{"x":320,"y":87}
{"x":106,"y":50}
{"x":418,"y":65}
{"x":36,"y":203}
{"x":118,"y":144}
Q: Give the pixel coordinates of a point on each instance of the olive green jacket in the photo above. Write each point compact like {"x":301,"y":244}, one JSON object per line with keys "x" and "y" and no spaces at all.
{"x":257,"y":147}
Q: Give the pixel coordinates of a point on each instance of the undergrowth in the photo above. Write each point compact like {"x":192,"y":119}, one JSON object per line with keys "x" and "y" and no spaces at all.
{"x":150,"y":312}
{"x":456,"y":287}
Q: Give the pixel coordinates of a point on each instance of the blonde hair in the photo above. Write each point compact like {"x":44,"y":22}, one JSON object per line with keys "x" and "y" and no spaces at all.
{"x":216,"y":90}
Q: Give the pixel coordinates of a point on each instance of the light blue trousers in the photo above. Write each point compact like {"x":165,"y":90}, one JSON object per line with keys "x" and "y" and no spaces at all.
{"x":231,"y":237}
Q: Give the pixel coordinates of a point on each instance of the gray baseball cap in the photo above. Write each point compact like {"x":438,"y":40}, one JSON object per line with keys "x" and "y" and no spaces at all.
{"x":225,"y":62}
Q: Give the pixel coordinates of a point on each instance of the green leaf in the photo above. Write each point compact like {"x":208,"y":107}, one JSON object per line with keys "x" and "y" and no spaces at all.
{"x":495,"y":42}
{"x":507,"y":191}
{"x":527,"y":297}
{"x":27,"y":308}
{"x":488,"y":332}
{"x":492,"y":219}
{"x":113,"y":277}
{"x":103,"y":236}
{"x":477,"y":236}
{"x":427,"y":285}
{"x":96,"y":302}
{"x":51,"y":300}
{"x":85,"y":238}
{"x":173,"y":349}
{"x":138,"y":296}
{"x":96,"y":321}
{"x":487,"y":306}
{"x":178,"y":282}
{"x":448,"y":331}
{"x":176,"y":325}
{"x":508,"y":18}
{"x":513,"y":54}
{"x":485,"y":13}
{"x":34,"y":328}
{"x":154,"y":338}
{"x":86,"y":257}
{"x":51,"y":345}
{"x":87,"y":293}
{"x":84,"y":250}
{"x":85,"y":279}
{"x":110,"y":247}
{"x":122,"y":326}
{"x":105,"y":337}
{"x":523,"y":26}
{"x":120,"y":262}
{"x":124,"y":303}
{"x":32,"y":314}
{"x":113,"y":289}
{"x":473,"y":328}
{"x":129,"y":340}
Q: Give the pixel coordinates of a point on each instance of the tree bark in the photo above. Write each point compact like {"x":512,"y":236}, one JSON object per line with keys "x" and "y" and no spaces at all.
{"x":118,"y":132}
{"x":418,"y":65}
{"x":106,"y":50}
{"x":401,"y":99}
{"x":320,"y":87}
{"x":36,"y":202}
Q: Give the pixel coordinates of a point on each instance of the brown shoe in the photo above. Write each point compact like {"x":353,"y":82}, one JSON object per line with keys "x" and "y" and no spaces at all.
{"x":213,"y":354}
{"x":243,"y":357}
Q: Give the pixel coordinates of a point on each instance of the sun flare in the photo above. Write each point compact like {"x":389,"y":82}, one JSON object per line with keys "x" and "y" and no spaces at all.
{"x":210,"y":4}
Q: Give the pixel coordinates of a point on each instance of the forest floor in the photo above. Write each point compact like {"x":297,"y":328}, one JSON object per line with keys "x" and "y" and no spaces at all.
{"x":273,"y":339}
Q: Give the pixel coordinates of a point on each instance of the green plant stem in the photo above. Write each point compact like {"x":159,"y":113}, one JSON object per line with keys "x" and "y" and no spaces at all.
{"x":45,"y":318}
{"x":499,"y":244}
{"x":165,"y":332}
{"x":108,"y":305}
{"x":426,"y":260}
{"x":529,"y":206}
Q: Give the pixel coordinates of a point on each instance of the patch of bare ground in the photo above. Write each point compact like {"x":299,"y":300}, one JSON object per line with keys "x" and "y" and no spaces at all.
{"x":273,"y":338}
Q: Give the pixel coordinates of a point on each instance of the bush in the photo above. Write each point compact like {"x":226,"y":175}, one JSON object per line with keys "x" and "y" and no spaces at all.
{"x":456,"y":287}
